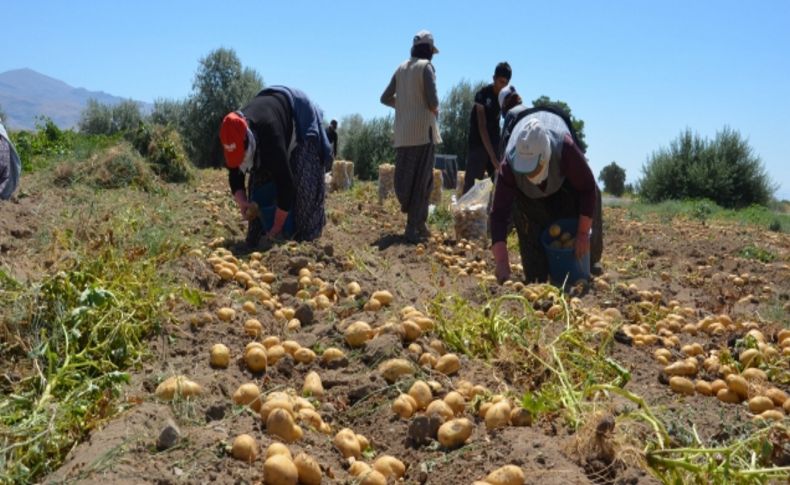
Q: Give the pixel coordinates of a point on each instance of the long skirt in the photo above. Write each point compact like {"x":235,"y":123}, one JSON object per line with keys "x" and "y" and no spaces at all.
{"x":308,"y":179}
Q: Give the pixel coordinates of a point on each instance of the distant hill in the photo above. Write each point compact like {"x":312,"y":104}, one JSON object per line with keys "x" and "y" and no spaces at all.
{"x":25,"y":94}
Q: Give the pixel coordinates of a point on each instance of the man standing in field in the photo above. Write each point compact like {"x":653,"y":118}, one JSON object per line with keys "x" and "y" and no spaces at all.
{"x":412,"y":92}
{"x":484,"y":128}
{"x":331,"y":133}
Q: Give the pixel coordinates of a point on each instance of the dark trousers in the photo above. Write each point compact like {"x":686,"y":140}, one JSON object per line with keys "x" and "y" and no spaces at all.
{"x":478,"y":163}
{"x":413,"y":182}
{"x":532,"y":216}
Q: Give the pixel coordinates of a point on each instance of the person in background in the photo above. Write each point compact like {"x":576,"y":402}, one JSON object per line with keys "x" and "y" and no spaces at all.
{"x":412,"y":92}
{"x":511,"y":106}
{"x":331,"y":134}
{"x":544,"y":177}
{"x":278,"y":140}
{"x":10,"y":165}
{"x":484,"y":128}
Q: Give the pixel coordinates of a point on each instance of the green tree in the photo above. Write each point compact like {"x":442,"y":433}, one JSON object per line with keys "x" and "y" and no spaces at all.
{"x":168,"y":112}
{"x":221,"y":85}
{"x":724,"y":170}
{"x":367,"y":143}
{"x":126,"y":116}
{"x":96,"y":119}
{"x":454,"y":111}
{"x":613,"y":178}
{"x":2,"y":115}
{"x":578,"y":125}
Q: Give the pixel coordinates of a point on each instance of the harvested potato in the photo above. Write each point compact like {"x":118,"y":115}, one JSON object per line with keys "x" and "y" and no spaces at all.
{"x":313,"y":385}
{"x":681,"y":368}
{"x":520,"y":417}
{"x":275,"y":403}
{"x":347,"y":443}
{"x":248,"y":395}
{"x":681,"y":385}
{"x":353,"y":288}
{"x":750,"y":357}
{"x":280,"y":470}
{"x":393,"y":369}
{"x":427,"y":360}
{"x":280,"y":423}
{"x":448,"y":364}
{"x":704,"y":388}
{"x":177,"y":385}
{"x":728,"y":396}
{"x":771,"y":415}
{"x":256,"y":359}
{"x":358,"y":333}
{"x":331,"y":354}
{"x":304,"y":356}
{"x":389,"y":466}
{"x":507,"y":475}
{"x":404,"y":406}
{"x":455,"y":432}
{"x":778,"y":396}
{"x":738,"y":385}
{"x":253,"y":328}
{"x":441,"y":409}
{"x":359,"y":468}
{"x":372,"y":478}
{"x":308,"y":470}
{"x":421,"y":393}
{"x":275,"y":353}
{"x":250,"y":307}
{"x":244,"y":448}
{"x":411,"y":331}
{"x":291,"y":346}
{"x":758,"y":404}
{"x":456,"y":401}
{"x":717,"y":385}
{"x":754,"y":374}
{"x":219,"y":356}
{"x":278,"y":449}
{"x":498,"y":415}
{"x":383,"y":296}
{"x":364,"y":443}
{"x":226,"y":314}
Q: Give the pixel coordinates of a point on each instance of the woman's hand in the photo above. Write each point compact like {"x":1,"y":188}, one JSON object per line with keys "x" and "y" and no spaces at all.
{"x":242,"y":202}
{"x":582,"y":246}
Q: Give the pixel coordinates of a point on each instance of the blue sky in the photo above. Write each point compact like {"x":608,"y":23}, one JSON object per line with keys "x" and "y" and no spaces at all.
{"x":638,"y":73}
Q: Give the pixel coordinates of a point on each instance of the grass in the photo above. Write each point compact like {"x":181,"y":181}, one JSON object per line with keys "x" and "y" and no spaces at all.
{"x":77,"y":332}
{"x":705,"y":210}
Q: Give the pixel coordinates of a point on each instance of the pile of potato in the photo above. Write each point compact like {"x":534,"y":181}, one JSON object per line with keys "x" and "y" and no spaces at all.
{"x":560,"y":239}
{"x":342,"y":175}
{"x":386,"y":180}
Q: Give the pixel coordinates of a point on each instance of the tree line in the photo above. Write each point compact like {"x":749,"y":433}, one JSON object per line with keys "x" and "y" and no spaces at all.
{"x":725,"y":169}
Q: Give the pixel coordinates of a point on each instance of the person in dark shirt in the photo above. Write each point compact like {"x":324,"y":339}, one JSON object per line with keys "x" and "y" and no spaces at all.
{"x":278,"y":140}
{"x":544,"y":177}
{"x":484,"y":128}
{"x":331,"y":133}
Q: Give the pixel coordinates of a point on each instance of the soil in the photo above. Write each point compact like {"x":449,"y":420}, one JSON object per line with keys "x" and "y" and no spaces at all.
{"x":362,"y":243}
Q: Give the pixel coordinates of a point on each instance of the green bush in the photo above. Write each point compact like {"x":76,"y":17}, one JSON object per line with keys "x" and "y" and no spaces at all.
{"x":116,"y":167}
{"x":724,"y":170}
{"x":37,"y":149}
{"x":454,"y":111}
{"x":367,"y":143}
{"x":167,"y":155}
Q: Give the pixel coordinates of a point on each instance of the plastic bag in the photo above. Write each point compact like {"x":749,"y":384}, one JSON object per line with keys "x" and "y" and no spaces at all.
{"x":470,"y":212}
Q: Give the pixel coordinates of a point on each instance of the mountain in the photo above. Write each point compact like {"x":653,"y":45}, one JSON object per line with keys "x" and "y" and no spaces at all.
{"x":25,"y":94}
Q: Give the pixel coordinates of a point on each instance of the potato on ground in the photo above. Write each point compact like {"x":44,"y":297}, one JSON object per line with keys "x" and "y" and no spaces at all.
{"x":507,"y":475}
{"x":455,"y":432}
{"x":280,"y":470}
{"x":244,"y":448}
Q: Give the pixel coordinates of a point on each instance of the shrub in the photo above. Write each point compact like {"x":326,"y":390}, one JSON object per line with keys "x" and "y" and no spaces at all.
{"x":367,"y":143}
{"x":167,"y":155}
{"x":116,"y":167}
{"x":613,"y":178}
{"x":35,"y":149}
{"x":724,"y":170}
